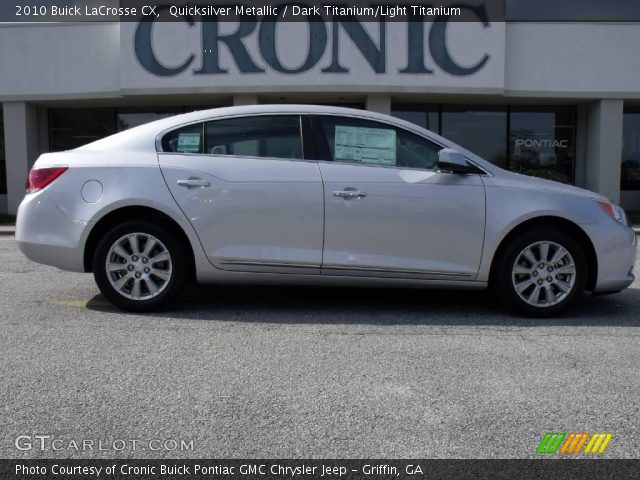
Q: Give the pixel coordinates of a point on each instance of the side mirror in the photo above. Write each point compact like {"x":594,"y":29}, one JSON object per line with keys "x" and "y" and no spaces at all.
{"x":452,"y":161}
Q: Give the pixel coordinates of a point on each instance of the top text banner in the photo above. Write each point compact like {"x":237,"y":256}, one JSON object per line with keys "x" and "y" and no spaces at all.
{"x":21,"y":11}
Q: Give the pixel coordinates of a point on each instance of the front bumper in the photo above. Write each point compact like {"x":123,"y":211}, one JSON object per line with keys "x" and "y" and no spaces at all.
{"x":615,"y":247}
{"x":45,"y":235}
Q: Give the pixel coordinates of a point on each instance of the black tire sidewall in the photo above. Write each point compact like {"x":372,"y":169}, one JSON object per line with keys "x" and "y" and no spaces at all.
{"x":505,"y":289}
{"x":177,"y":266}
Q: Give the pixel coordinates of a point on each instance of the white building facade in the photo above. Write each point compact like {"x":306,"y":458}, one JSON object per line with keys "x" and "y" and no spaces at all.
{"x":557,"y":100}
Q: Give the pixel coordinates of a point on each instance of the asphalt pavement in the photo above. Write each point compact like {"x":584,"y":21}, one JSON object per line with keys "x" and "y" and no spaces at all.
{"x":236,"y":372}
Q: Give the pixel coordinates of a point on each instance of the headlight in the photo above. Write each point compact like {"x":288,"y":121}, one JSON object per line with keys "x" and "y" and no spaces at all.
{"x":614,"y":211}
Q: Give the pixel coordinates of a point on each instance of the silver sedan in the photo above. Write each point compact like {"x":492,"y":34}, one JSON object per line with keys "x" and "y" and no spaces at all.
{"x":315,"y":195}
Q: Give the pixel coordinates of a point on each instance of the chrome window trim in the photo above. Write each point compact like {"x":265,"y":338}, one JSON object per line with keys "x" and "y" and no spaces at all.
{"x":352,"y":268}
{"x":395,"y":271}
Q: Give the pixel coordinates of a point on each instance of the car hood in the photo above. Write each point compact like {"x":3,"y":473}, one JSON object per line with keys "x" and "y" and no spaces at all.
{"x":507,"y":179}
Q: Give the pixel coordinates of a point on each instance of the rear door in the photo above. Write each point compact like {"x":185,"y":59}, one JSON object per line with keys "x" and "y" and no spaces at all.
{"x":388,"y":211}
{"x":253,"y":198}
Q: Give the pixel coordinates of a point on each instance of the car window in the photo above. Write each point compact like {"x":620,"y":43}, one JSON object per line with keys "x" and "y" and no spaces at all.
{"x":275,"y":136}
{"x":351,"y":140}
{"x":184,"y":140}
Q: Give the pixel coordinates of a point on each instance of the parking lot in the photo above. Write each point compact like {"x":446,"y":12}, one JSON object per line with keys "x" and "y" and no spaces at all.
{"x":307,"y":372}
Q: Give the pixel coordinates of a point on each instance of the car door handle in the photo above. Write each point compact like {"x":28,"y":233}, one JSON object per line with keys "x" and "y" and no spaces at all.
{"x":348,"y":193}
{"x":193,"y":182}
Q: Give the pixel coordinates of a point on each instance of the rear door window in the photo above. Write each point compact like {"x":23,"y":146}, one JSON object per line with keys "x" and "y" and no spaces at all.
{"x":276,"y":136}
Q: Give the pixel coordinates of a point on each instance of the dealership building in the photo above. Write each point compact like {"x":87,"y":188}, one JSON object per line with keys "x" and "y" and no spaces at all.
{"x":554,"y":99}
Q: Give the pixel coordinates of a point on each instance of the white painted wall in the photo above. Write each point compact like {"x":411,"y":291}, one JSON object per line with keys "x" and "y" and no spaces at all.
{"x":21,"y":148}
{"x":59,"y":61}
{"x":572,"y":60}
{"x":604,"y":144}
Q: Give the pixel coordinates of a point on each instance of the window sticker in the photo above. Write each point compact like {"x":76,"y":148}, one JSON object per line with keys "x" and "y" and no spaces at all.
{"x":189,"y":142}
{"x":376,"y":146}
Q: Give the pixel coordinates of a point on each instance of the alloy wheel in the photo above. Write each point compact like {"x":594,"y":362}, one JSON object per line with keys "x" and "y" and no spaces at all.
{"x":138,"y":266}
{"x":544,"y":274}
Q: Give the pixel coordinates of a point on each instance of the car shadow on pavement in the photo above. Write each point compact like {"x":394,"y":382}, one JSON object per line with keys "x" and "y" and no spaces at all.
{"x":378,"y":306}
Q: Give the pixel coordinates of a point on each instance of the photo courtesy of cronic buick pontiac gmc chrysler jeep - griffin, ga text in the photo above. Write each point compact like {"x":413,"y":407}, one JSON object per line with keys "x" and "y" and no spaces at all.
{"x":315,"y":195}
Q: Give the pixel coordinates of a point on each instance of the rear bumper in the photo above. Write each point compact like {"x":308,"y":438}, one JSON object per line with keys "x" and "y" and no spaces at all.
{"x":616,"y":250}
{"x":45,"y":235}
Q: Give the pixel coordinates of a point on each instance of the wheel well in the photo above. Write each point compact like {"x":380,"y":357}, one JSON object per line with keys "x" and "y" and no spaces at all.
{"x":124,"y":214}
{"x":576,"y":232}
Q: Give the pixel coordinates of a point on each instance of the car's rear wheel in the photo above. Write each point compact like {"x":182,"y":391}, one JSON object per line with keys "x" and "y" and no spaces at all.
{"x":139,"y":266}
{"x":541,"y":273}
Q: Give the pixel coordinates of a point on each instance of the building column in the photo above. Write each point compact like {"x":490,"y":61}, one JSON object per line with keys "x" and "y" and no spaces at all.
{"x":245,"y":99}
{"x":378,"y":103}
{"x":604,"y":147}
{"x":21,"y":148}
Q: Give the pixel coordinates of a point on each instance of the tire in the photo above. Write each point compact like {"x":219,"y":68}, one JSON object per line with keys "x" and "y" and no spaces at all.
{"x":152,"y":272}
{"x":535,"y":286}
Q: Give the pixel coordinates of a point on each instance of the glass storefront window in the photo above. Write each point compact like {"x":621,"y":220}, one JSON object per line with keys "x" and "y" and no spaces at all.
{"x":73,"y":127}
{"x":426,"y":116}
{"x":480,"y":130}
{"x":132,"y":117}
{"x":542,"y":142}
{"x":630,"y":175}
{"x":3,"y":164}
{"x":541,"y":139}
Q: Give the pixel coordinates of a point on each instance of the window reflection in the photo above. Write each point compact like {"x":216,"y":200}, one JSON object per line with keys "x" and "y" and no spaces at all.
{"x":425,"y":116}
{"x":541,"y":139}
{"x":3,"y":165}
{"x":630,"y":175}
{"x":260,"y":136}
{"x":73,"y":127}
{"x":542,"y":143}
{"x":132,"y":117}
{"x":482,"y":131}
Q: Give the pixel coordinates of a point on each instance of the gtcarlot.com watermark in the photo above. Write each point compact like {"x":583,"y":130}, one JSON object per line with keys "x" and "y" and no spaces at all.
{"x":51,"y":443}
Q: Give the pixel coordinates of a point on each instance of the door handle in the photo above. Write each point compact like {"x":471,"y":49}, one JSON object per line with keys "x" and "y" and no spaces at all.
{"x":349,"y":193}
{"x":193,"y":182}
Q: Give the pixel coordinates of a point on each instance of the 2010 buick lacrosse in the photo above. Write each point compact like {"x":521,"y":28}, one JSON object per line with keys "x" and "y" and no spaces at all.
{"x":316,"y":195}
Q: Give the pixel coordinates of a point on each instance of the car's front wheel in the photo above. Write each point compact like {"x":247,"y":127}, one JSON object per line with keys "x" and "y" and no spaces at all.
{"x":541,"y":273}
{"x":139,"y":266}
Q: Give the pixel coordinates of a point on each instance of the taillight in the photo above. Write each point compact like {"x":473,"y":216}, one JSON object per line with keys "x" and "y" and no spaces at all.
{"x":41,"y":177}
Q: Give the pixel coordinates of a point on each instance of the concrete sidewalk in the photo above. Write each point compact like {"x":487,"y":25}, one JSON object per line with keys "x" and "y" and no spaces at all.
{"x":7,"y":230}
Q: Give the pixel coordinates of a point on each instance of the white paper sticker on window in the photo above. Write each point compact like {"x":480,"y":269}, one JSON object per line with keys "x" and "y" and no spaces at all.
{"x":367,"y":145}
{"x":188,"y":142}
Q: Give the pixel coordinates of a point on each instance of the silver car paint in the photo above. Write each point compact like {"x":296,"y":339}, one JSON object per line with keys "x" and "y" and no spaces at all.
{"x":53,"y":224}
{"x":404,"y":224}
{"x":257,"y":214}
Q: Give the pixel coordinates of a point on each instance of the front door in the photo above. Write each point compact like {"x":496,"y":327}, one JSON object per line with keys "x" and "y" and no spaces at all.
{"x":388,"y":211}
